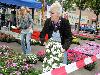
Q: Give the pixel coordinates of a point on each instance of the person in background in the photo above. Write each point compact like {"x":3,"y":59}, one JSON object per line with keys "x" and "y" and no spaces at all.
{"x":26,"y":26}
{"x":76,"y":24}
{"x":59,"y":31}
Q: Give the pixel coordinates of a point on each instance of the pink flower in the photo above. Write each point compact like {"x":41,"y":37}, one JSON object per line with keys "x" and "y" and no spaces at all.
{"x":41,"y":53}
{"x":74,"y":56}
{"x":97,"y":74}
{"x":26,"y":66}
{"x":14,"y":64}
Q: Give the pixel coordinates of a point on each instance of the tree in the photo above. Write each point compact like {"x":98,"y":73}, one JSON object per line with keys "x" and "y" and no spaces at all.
{"x":95,"y":6}
{"x":68,"y":4}
{"x":44,"y":3}
{"x":48,"y":1}
{"x":82,"y":5}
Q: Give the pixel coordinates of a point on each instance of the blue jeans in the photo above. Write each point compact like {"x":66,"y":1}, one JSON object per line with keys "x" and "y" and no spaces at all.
{"x":26,"y":42}
{"x":65,"y":58}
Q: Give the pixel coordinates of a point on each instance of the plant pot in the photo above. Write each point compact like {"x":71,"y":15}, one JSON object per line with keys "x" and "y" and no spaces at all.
{"x":90,"y":67}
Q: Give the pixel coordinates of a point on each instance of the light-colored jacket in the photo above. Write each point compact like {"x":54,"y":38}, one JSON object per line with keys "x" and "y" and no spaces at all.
{"x":26,"y":21}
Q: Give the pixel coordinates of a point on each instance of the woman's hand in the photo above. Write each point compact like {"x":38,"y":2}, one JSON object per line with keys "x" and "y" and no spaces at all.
{"x":42,"y":41}
{"x":62,"y":50}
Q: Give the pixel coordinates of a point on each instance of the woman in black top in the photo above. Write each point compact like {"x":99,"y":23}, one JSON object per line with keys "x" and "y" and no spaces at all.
{"x":60,"y":37}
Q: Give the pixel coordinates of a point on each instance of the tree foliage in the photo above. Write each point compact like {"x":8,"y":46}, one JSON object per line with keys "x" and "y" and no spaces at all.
{"x":95,"y":6}
{"x":82,"y":4}
{"x":49,"y":2}
{"x":68,"y":4}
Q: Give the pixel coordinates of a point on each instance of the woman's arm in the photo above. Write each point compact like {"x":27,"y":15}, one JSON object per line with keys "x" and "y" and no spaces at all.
{"x":44,"y":31}
{"x":67,"y":34}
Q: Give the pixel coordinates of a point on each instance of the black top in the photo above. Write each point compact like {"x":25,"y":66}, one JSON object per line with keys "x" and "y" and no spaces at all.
{"x":64,"y":29}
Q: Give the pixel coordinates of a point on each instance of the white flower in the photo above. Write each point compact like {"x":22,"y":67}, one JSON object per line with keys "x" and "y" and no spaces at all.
{"x":33,"y":40}
{"x":62,"y":50}
{"x":43,"y":65}
{"x":60,"y":55}
{"x":54,"y":65}
{"x":51,"y":56}
{"x":51,"y":43}
{"x":61,"y":64}
{"x":56,"y":58}
{"x":44,"y":62}
{"x":46,"y":46}
{"x":51,"y":59}
{"x":49,"y":62}
{"x":54,"y":53}
{"x":52,"y":49}
{"x":44,"y":70}
{"x":48,"y":68}
{"x":48,"y":50}
{"x":58,"y":51}
{"x":45,"y":59}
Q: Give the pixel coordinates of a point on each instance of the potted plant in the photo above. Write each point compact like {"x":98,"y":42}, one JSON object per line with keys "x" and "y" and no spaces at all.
{"x":75,"y":40}
{"x":90,"y":66}
{"x":41,"y":55}
{"x":31,"y":58}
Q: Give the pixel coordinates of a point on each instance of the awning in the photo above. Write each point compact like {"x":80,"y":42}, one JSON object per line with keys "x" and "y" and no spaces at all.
{"x":27,"y":3}
{"x":9,"y":2}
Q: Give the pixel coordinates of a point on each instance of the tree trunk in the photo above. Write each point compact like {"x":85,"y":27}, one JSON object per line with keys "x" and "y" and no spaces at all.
{"x":33,"y":13}
{"x":78,"y":27}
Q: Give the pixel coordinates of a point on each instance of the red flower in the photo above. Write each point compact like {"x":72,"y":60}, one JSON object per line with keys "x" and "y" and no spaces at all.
{"x":74,"y":56}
